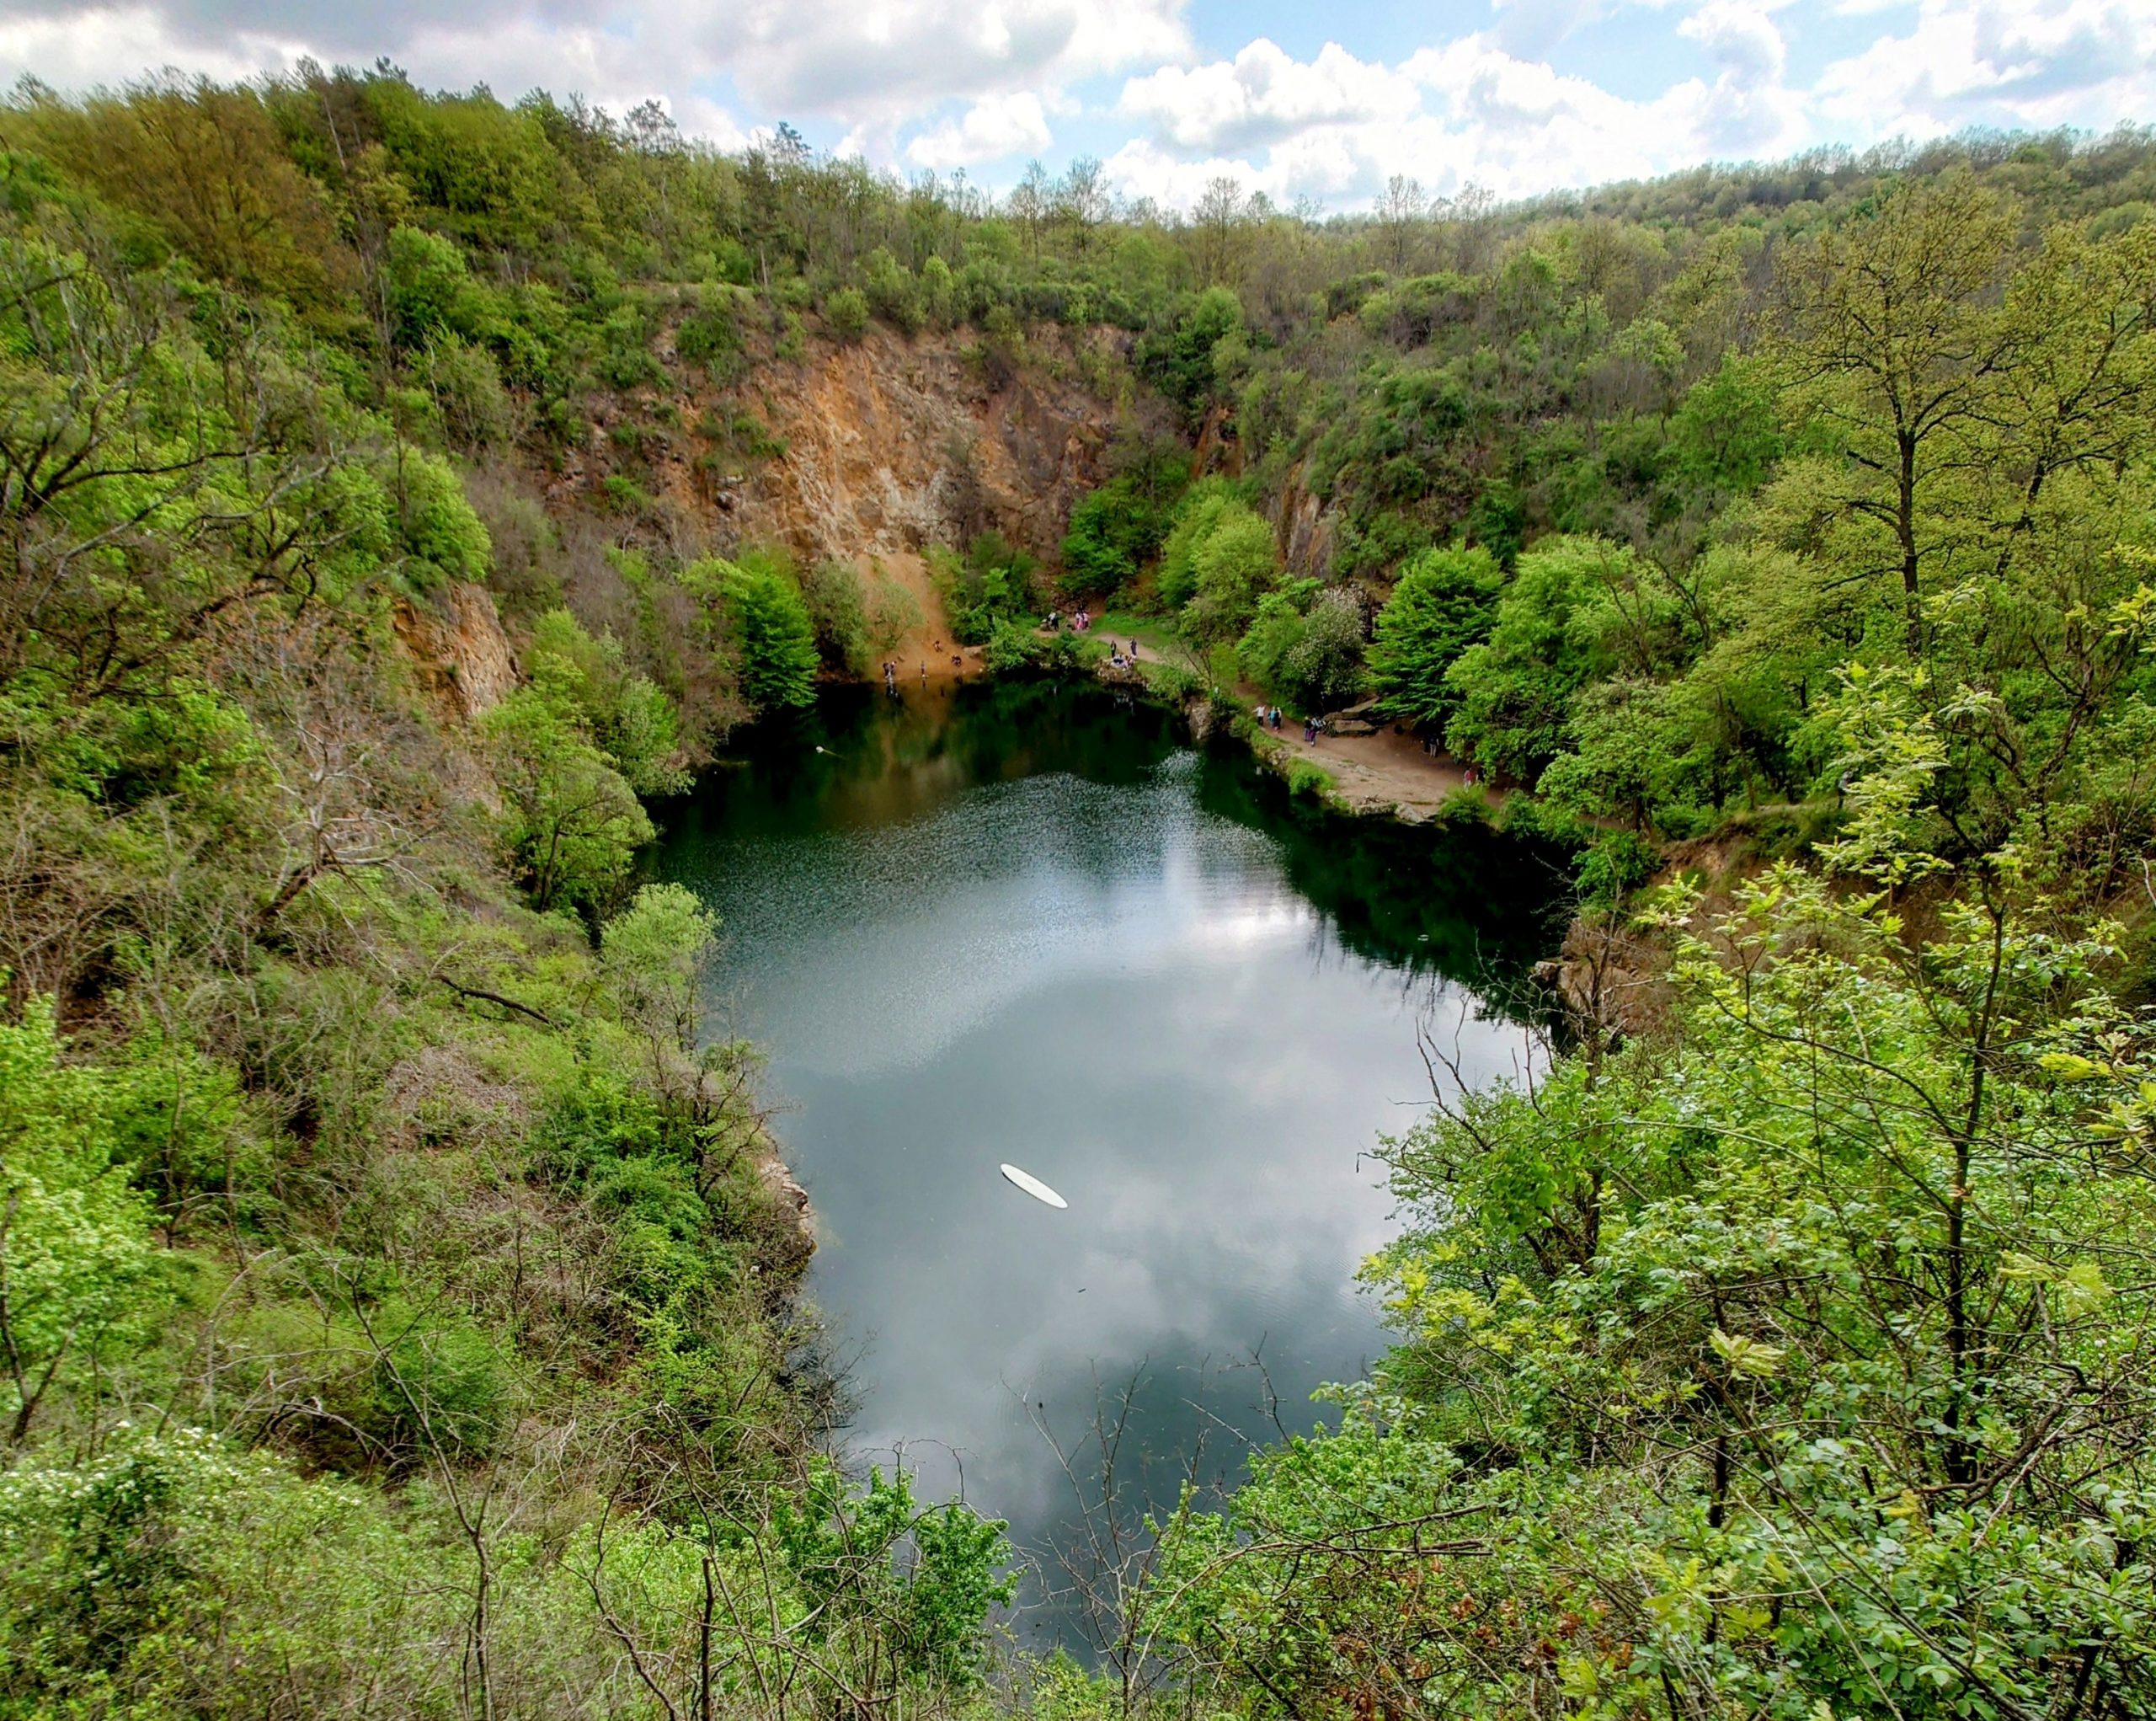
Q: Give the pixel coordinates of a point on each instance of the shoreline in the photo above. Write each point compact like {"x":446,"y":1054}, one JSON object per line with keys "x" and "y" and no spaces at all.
{"x":1383,"y":774}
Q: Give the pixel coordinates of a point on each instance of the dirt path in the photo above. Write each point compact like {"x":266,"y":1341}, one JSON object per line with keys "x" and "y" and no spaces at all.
{"x":929,"y":643}
{"x":1369,"y":773}
{"x":1374,"y":772}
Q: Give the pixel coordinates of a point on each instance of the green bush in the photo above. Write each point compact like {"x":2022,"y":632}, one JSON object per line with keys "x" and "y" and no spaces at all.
{"x":1013,"y":645}
{"x":1308,"y":779}
{"x":846,"y":313}
{"x":710,"y":336}
{"x":893,"y":292}
{"x":1445,"y":602}
{"x":1618,"y":862}
{"x":776,"y":638}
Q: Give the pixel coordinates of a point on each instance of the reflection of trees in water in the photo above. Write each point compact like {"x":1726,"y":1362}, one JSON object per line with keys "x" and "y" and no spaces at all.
{"x":860,"y":756}
{"x":1463,"y":901}
{"x":1470,"y":903}
{"x":1127,"y":1450}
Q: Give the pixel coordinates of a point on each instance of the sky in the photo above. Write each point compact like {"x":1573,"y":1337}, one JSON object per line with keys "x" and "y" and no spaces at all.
{"x":1300,"y":101}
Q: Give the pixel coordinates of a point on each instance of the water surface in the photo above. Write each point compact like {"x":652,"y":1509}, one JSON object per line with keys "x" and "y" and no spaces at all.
{"x":1029,"y":923}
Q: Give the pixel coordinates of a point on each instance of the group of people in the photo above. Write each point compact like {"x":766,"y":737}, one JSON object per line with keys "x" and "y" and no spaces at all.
{"x":1268,"y":717}
{"x":1079,"y":622}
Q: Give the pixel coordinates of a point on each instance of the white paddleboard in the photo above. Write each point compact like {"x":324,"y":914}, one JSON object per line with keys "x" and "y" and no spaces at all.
{"x":1034,"y":1186}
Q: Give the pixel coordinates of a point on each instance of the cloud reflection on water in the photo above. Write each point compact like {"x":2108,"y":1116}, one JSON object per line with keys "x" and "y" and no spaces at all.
{"x":1121,"y":991}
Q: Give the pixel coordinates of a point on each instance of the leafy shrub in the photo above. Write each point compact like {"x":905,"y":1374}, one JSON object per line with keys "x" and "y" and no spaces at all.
{"x":846,"y":312}
{"x":1308,"y":779}
{"x":893,"y":292}
{"x":1622,"y":861}
{"x":1182,"y":361}
{"x":1013,"y":645}
{"x":711,"y":336}
{"x":1513,"y":690}
{"x":1445,"y":602}
{"x":776,"y":638}
{"x":626,"y":359}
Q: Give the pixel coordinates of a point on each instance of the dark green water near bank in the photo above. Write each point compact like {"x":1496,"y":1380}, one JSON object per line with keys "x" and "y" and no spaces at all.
{"x":1029,"y":922}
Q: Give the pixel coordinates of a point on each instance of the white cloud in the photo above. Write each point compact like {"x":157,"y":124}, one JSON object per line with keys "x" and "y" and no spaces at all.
{"x":876,"y":66}
{"x":1263,"y":95}
{"x":82,"y":50}
{"x":1338,"y":127}
{"x":1740,"y":37}
{"x":991,"y":128}
{"x":1998,"y":62}
{"x":950,"y":83}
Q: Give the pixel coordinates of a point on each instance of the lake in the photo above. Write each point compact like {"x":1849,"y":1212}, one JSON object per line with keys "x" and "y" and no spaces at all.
{"x":1031,"y":922}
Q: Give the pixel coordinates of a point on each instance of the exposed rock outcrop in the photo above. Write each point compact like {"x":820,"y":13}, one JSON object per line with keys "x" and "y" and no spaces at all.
{"x":460,"y":655}
{"x":889,"y":445}
{"x":1304,"y":525}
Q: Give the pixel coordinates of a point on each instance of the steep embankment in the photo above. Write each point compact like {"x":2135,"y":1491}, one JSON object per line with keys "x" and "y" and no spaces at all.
{"x":461,"y":658}
{"x":891,"y":445}
{"x":872,"y":449}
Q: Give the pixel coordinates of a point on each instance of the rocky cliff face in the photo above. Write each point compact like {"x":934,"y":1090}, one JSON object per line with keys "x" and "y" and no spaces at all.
{"x":460,"y":656}
{"x":889,"y":445}
{"x":892,"y":446}
{"x":1304,"y":525}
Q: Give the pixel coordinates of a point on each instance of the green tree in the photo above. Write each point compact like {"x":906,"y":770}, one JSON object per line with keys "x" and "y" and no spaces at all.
{"x":1233,"y":564}
{"x":1446,"y":600}
{"x":1196,"y":516}
{"x":1514,"y":691}
{"x":629,"y":715}
{"x":571,"y":822}
{"x":838,"y":609}
{"x":77,"y":1266}
{"x":777,"y":638}
{"x":1890,"y":348}
{"x":1304,"y":646}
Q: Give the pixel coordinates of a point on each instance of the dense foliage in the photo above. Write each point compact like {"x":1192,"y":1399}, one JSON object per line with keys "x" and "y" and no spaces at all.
{"x":395,"y":1303}
{"x":395,"y":1306}
{"x":1796,"y":1358}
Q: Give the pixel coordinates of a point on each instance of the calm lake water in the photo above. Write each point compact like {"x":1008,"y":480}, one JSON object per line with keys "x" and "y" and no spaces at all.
{"x":1029,"y":922}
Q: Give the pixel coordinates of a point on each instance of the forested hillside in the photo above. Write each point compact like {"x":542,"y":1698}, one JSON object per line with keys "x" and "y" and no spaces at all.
{"x":400,"y":492}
